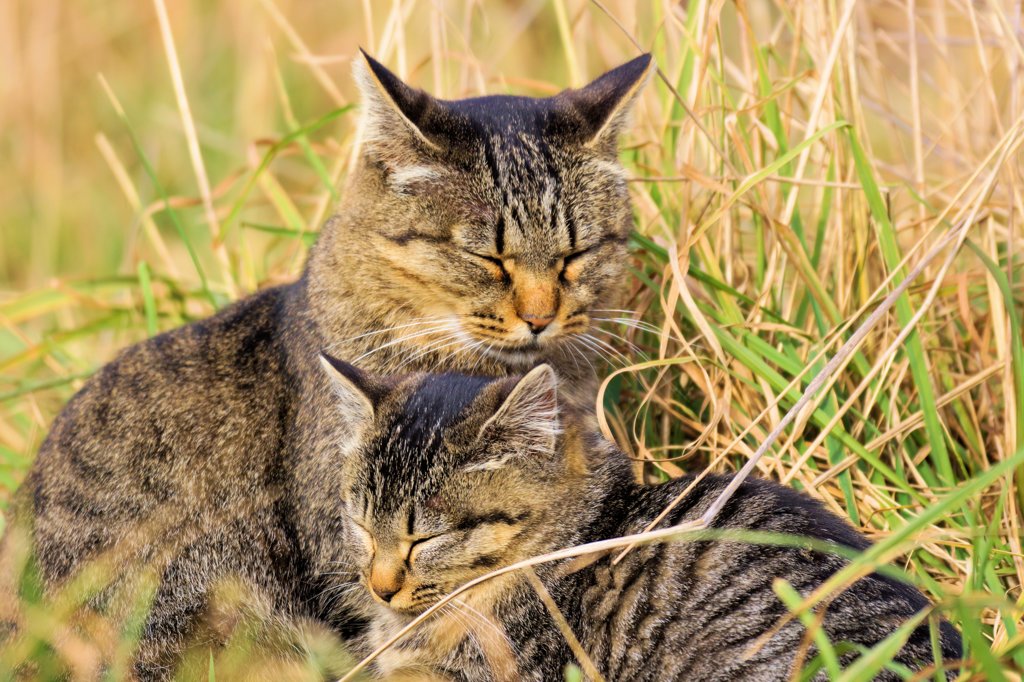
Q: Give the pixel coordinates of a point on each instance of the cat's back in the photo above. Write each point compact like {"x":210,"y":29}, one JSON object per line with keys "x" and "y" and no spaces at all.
{"x":695,"y":609}
{"x":193,"y":414}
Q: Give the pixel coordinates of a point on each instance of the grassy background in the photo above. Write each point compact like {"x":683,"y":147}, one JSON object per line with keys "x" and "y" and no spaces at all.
{"x":792,"y":162}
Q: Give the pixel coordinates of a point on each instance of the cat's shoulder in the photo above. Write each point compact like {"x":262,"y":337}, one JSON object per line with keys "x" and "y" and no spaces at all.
{"x":197,"y":371}
{"x":232,"y":337}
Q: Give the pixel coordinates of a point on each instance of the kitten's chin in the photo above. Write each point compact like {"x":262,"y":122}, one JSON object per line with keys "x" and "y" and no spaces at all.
{"x":404,"y":615}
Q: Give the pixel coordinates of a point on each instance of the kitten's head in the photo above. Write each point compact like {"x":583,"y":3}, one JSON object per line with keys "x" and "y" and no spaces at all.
{"x":445,"y":477}
{"x":502,"y":219}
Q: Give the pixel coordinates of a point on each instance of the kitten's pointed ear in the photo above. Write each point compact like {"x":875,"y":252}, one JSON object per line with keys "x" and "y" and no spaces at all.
{"x":393,"y":109}
{"x":598,"y":112}
{"x":526,"y":424}
{"x":356,"y":391}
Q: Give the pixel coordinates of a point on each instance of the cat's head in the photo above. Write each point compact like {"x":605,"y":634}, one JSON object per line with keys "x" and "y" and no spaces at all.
{"x":445,"y":477}
{"x":499,"y":222}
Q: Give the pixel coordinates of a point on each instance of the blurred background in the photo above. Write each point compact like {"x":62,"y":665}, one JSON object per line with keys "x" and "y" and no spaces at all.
{"x":253,"y":67}
{"x":789,"y":165}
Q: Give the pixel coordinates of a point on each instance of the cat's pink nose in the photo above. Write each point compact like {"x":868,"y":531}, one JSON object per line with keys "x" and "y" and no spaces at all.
{"x":385,"y":595}
{"x":538,"y":323}
{"x":386,"y":581}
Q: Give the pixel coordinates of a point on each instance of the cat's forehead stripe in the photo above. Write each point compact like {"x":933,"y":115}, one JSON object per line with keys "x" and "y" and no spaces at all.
{"x":403,"y":461}
{"x":558,"y":205}
{"x":523,"y":168}
{"x":492,"y":165}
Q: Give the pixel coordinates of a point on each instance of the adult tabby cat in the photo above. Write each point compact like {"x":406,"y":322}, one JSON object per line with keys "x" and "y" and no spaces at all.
{"x":441,"y":478}
{"x":480,"y":234}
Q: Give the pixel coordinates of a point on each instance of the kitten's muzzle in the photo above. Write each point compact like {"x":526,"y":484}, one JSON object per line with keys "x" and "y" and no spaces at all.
{"x":385,"y":581}
{"x":386,"y":594}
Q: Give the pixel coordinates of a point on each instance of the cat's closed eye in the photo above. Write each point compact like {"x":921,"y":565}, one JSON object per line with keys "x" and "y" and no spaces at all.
{"x":425,"y":543}
{"x":494,"y":265}
{"x":364,"y":536}
{"x":571,"y":264}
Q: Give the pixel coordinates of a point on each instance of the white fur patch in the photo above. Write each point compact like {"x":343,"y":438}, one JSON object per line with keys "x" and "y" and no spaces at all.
{"x":610,"y":167}
{"x":400,"y":178}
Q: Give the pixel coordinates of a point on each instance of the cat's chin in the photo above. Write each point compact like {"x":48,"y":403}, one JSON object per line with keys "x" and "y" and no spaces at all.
{"x":404,"y":615}
{"x":522,"y":358}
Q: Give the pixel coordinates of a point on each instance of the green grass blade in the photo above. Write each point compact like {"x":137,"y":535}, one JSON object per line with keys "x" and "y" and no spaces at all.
{"x":791,"y":598}
{"x":269,"y":156}
{"x":307,"y":236}
{"x":165,"y":197}
{"x":945,"y":507}
{"x":915,"y":351}
{"x":148,"y":301}
{"x":1016,"y":347}
{"x":870,"y":663}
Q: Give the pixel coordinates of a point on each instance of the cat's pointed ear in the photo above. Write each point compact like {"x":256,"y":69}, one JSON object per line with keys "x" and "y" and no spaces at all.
{"x":598,"y":112}
{"x":356,"y":391}
{"x":526,"y":424}
{"x":395,"y":110}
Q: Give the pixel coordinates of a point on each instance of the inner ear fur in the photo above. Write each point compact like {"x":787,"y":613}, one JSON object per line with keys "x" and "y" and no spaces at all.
{"x":357,"y":394}
{"x":598,"y":112}
{"x":524,"y":424}
{"x":400,"y":118}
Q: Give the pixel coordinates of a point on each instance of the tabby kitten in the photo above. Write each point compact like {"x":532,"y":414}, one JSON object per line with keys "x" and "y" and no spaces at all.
{"x":439,"y":479}
{"x":479,"y":234}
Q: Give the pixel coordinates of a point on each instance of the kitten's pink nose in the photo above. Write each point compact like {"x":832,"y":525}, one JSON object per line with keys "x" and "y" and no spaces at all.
{"x":386,"y":581}
{"x":385,"y":595}
{"x":538,"y":323}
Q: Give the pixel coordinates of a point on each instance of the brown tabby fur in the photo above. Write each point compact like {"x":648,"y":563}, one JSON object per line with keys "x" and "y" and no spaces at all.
{"x":480,"y":234}
{"x":440,"y":479}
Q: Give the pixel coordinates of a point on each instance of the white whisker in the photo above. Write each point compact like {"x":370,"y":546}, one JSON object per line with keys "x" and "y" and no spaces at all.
{"x":609,"y":347}
{"x":572,"y":346}
{"x":632,"y":346}
{"x":586,"y":341}
{"x":475,"y":353}
{"x":630,"y":322}
{"x":473,"y":613}
{"x":412,"y":323}
{"x":455,"y":615}
{"x":613,"y":310}
{"x":562,"y":348}
{"x":442,"y":343}
{"x":330,"y":596}
{"x":409,"y":337}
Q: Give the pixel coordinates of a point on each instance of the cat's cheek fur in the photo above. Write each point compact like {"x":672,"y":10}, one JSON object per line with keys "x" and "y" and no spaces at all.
{"x":360,"y":543}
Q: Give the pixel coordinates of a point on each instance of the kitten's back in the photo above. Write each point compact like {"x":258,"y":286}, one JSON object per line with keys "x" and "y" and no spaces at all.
{"x":696,"y":610}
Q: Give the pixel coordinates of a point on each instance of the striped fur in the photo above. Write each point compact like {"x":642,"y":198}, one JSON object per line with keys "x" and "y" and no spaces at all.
{"x":187,"y":454}
{"x":677,"y":611}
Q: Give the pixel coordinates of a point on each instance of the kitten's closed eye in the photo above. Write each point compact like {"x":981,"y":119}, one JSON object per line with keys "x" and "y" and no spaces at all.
{"x":426,"y":543}
{"x":364,"y":536}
